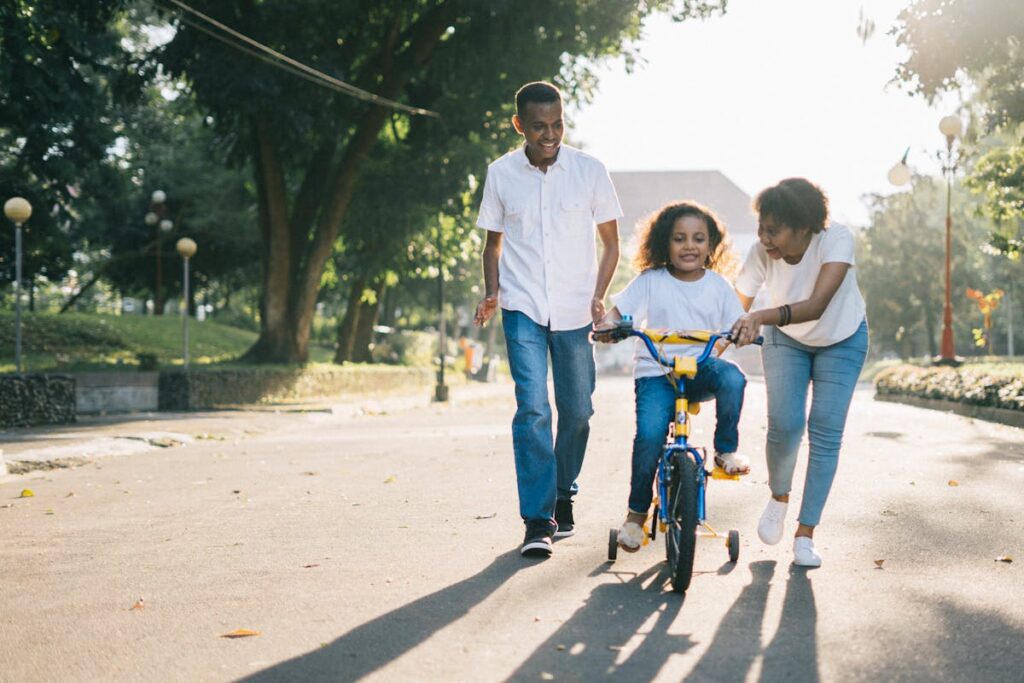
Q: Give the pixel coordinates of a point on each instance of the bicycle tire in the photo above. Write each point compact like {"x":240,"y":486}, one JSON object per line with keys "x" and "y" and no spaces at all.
{"x":681,"y":535}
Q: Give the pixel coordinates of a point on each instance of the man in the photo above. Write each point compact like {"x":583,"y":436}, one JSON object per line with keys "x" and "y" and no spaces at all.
{"x":539,"y":208}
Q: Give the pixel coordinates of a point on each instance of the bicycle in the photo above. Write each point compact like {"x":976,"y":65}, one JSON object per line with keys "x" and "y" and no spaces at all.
{"x":680,"y":505}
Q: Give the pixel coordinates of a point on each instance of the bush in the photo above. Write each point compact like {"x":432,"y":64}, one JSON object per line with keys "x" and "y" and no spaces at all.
{"x":993,"y":385}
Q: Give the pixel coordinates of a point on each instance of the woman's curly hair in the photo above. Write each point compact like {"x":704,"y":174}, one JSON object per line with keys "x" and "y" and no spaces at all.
{"x":656,"y":232}
{"x":796,"y":202}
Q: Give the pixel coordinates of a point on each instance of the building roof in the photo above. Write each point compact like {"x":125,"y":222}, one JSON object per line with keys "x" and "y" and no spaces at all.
{"x":641,"y":193}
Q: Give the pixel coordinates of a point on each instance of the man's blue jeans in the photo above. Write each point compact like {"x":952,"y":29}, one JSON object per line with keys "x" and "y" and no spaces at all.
{"x":655,"y":409}
{"x":546,"y":468}
{"x":789,"y":369}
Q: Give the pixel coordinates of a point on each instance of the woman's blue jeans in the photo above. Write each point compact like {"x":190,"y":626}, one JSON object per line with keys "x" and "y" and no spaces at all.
{"x":546,"y":467}
{"x":789,"y":369}
{"x":655,"y":409}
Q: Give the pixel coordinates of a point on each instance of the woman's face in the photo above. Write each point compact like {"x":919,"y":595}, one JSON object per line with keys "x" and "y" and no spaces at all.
{"x":781,"y":240}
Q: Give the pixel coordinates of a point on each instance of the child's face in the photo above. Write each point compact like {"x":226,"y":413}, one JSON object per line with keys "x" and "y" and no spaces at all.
{"x":781,"y":240}
{"x":689,"y":245}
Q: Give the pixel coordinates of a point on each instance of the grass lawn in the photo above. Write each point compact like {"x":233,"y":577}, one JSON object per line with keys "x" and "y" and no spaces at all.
{"x":87,"y":341}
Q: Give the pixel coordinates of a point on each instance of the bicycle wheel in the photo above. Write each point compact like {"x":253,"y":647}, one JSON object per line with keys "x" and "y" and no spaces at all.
{"x":681,"y":536}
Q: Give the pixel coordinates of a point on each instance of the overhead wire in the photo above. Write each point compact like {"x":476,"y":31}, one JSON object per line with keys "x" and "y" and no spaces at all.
{"x":286,"y":63}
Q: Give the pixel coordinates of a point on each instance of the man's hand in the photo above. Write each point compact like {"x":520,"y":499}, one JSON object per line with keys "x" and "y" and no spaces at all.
{"x":485,"y":310}
{"x":597,"y":311}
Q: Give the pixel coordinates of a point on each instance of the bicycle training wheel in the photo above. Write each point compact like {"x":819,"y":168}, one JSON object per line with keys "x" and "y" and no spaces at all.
{"x":613,"y":544}
{"x":733,"y":544}
{"x":681,"y":536}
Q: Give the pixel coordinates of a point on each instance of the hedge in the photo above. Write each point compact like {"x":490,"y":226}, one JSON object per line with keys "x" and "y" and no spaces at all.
{"x":36,"y":399}
{"x":211,"y":388}
{"x":991,"y":385}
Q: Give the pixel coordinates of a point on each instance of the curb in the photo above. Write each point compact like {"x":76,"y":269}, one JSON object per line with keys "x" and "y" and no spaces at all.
{"x":1013,"y":418}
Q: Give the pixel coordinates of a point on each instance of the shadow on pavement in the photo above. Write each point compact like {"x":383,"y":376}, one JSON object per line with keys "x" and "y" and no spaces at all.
{"x":620,"y":633}
{"x":793,"y":653}
{"x":372,"y":645}
{"x":737,"y":641}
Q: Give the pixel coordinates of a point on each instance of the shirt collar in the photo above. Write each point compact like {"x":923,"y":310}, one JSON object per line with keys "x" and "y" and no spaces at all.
{"x":560,"y":161}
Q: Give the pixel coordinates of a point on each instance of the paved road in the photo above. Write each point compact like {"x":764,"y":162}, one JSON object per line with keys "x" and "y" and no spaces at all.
{"x":383,"y":546}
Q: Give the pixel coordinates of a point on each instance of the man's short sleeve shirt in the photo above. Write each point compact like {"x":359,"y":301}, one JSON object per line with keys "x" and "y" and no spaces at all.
{"x":548,"y":265}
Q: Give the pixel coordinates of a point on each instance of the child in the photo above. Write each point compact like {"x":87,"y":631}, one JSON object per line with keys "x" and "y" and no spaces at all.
{"x":677,"y":289}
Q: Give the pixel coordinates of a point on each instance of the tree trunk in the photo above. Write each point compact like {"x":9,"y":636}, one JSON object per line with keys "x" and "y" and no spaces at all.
{"x":368,"y":314}
{"x":291,"y":284}
{"x":347,"y":327}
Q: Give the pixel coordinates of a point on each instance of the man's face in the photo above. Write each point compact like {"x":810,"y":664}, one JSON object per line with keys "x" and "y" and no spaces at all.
{"x":542,"y":126}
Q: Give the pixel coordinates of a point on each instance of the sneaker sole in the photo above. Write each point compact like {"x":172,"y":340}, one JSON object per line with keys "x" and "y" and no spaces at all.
{"x":565,"y":534}
{"x":536,"y":549}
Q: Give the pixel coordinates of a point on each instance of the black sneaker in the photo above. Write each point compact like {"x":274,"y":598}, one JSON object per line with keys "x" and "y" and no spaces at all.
{"x":563,"y":517}
{"x":537,"y":542}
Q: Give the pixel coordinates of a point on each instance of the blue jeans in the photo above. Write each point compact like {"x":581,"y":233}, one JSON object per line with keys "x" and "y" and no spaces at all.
{"x":789,"y":369}
{"x":655,"y":409}
{"x":546,"y":468}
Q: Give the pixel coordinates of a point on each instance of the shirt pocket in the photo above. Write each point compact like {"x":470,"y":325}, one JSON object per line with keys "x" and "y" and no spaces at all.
{"x":516,"y":219}
{"x":574,"y":213}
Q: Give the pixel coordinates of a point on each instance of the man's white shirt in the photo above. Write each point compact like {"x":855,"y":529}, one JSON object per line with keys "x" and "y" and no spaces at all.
{"x":548,"y":265}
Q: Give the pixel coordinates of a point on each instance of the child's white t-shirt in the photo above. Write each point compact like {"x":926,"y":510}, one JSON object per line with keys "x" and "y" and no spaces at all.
{"x":789,"y":284}
{"x":656,"y":299}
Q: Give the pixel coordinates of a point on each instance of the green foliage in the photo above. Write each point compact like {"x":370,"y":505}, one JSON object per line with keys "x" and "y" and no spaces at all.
{"x":997,"y":385}
{"x":78,"y":340}
{"x":901,"y":269}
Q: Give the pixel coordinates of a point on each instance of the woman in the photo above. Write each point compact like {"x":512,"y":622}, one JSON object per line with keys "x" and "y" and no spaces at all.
{"x":817,"y":336}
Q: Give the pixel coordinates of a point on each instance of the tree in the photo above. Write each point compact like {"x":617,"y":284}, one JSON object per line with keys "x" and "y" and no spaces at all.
{"x":308,"y":147}
{"x":900,"y":263}
{"x":63,"y":70}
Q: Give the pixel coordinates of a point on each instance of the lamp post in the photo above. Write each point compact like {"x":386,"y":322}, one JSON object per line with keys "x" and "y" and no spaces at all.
{"x":441,"y":390}
{"x":155,"y":218}
{"x":186,"y":249}
{"x":18,"y":210}
{"x":899,"y":174}
{"x":949,"y":126}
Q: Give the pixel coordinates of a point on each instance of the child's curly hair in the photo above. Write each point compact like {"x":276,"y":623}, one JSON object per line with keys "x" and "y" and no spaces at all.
{"x":656,"y":232}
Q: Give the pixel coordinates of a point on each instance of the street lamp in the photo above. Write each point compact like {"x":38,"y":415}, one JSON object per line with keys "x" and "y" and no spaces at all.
{"x":950,"y":126}
{"x":155,"y":218}
{"x":186,"y":249}
{"x":18,"y":210}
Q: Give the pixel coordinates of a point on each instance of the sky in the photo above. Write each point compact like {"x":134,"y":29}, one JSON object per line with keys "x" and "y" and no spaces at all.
{"x":772,"y":89}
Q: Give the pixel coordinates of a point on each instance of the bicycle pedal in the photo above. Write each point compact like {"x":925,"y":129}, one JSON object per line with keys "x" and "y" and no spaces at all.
{"x":719,"y":473}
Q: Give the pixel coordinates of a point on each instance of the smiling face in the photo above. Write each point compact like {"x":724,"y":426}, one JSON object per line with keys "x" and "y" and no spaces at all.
{"x":689,"y":246}
{"x":542,"y":126}
{"x":782,"y":241}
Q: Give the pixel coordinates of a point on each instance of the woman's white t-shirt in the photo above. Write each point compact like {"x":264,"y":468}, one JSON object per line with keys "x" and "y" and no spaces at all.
{"x":656,"y":299}
{"x":791,"y":283}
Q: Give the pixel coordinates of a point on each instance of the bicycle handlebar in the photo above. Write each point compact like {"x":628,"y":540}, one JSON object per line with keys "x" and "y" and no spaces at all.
{"x":624,"y":329}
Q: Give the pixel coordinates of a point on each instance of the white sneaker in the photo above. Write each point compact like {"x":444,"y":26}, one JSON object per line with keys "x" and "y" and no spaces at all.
{"x":804,"y":554}
{"x":773,"y":519}
{"x":631,"y":536}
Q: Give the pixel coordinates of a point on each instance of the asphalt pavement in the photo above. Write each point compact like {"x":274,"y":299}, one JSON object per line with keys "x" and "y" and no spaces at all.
{"x":378,"y":541}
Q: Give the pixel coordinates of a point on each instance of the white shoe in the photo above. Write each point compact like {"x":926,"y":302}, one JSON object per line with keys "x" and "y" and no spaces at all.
{"x":773,"y":519}
{"x":733,"y":463}
{"x":804,"y":554}
{"x":631,"y":536}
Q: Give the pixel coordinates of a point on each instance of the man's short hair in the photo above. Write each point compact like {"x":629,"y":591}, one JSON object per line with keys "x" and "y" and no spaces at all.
{"x":540,"y":92}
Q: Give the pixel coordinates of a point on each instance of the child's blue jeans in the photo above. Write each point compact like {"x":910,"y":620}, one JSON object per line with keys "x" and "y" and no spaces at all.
{"x":655,"y":409}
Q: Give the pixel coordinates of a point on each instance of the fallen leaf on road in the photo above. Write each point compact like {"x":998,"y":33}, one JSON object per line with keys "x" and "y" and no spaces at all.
{"x":139,"y":604}
{"x":70,"y":495}
{"x":311,"y":474}
{"x":49,"y":511}
{"x":241,"y":633}
{"x":490,"y":516}
{"x":879,"y":563}
{"x":390,"y":480}
{"x":26,"y":493}
{"x":560,"y":647}
{"x":309,"y":566}
{"x":237,"y":491}
{"x":545,"y":676}
{"x":954,"y":482}
{"x":1004,"y":558}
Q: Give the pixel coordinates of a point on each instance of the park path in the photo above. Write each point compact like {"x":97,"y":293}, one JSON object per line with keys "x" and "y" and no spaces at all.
{"x":382,"y":546}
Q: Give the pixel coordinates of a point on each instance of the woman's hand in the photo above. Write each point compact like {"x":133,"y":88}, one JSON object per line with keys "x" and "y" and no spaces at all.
{"x":746,"y":329}
{"x":597,"y":311}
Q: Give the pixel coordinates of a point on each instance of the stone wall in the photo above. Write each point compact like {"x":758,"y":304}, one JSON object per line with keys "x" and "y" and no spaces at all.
{"x":34,"y":399}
